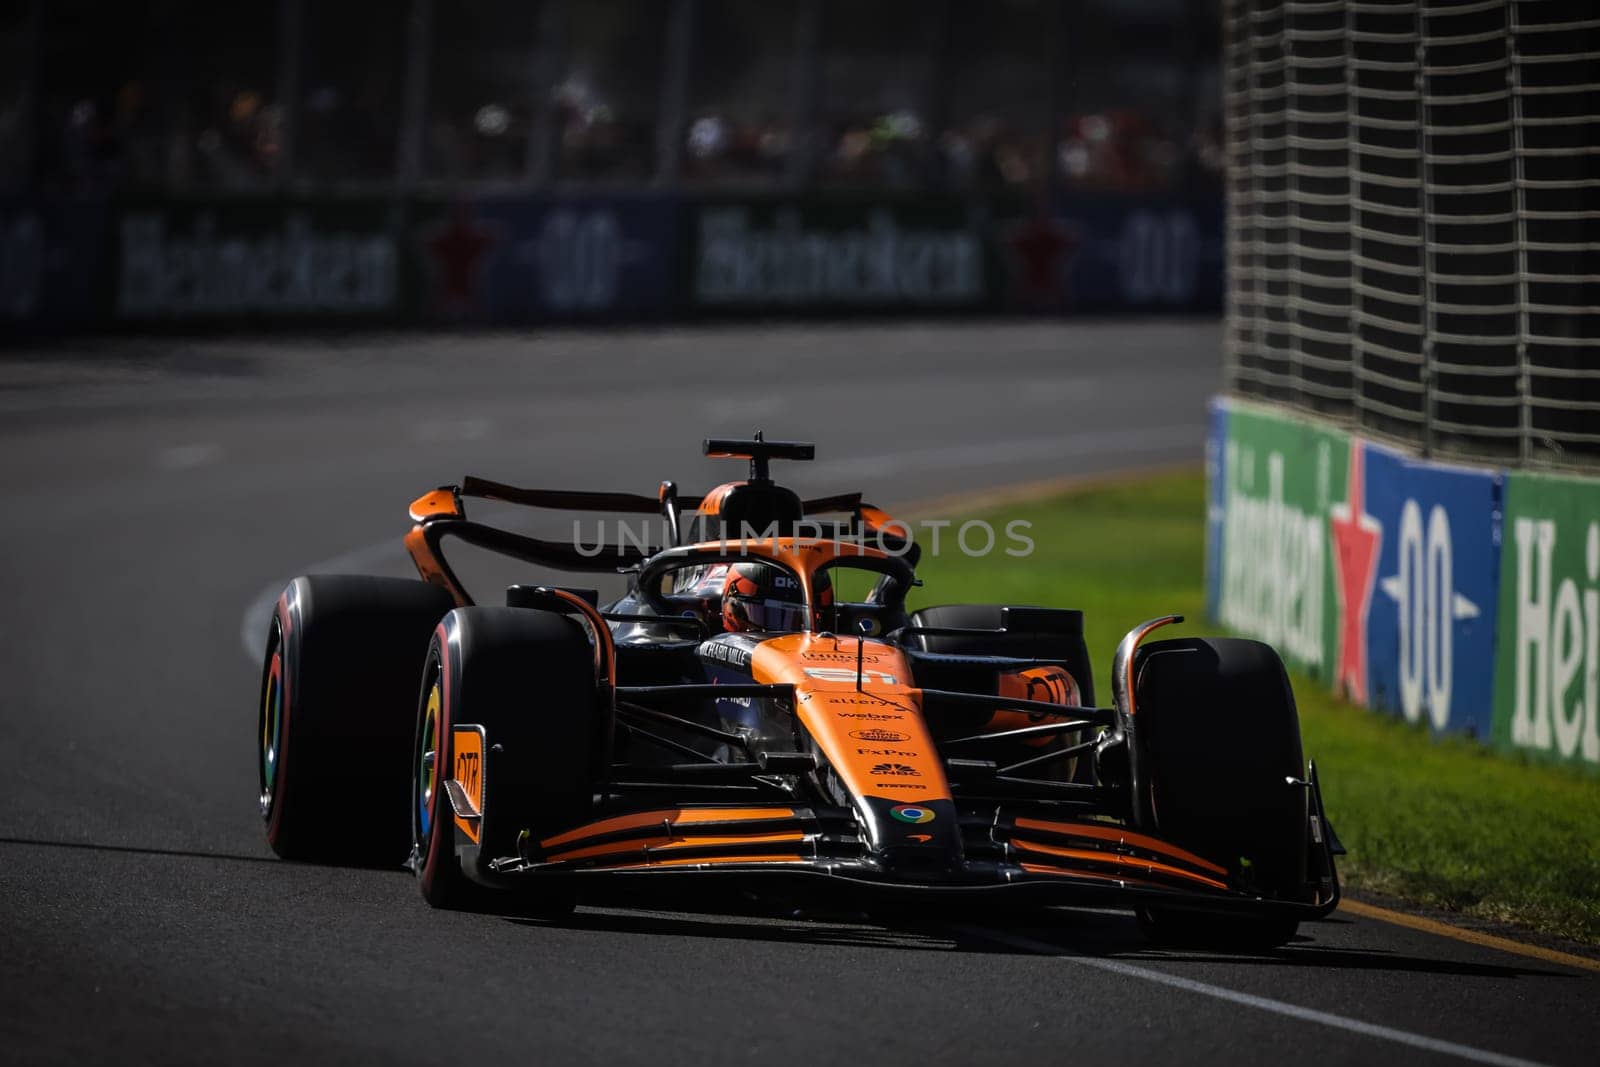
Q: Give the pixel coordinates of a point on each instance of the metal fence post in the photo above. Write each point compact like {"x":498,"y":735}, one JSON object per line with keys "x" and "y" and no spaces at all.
{"x":804,"y":86}
{"x":936,"y":93}
{"x":1061,"y":82}
{"x":414,"y":116}
{"x":1352,"y":106}
{"x":1425,"y":210}
{"x":676,"y":66}
{"x":1293,"y":238}
{"x":291,"y":44}
{"x":30,"y":106}
{"x":549,"y":61}
{"x":1242,"y":307}
{"x":1519,"y":178}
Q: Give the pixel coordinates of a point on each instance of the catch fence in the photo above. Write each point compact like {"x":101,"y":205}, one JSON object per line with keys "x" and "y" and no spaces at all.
{"x":1414,"y":220}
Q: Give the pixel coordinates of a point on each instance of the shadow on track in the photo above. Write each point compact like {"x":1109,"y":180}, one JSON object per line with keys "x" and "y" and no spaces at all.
{"x":1063,"y":932}
{"x":776,"y":929}
{"x":1068,"y":933}
{"x":179,"y":853}
{"x":136,"y":850}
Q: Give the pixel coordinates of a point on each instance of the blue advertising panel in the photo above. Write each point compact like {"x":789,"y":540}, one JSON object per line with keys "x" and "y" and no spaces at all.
{"x":1104,"y":253}
{"x":1435,"y":593}
{"x":1216,"y":502}
{"x":527,"y":258}
{"x":52,"y":254}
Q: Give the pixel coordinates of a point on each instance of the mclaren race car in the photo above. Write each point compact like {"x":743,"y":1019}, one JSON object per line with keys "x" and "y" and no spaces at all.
{"x":760,"y":706}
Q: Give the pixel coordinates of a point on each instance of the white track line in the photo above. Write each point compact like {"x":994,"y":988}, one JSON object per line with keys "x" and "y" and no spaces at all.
{"x":1250,"y":1000}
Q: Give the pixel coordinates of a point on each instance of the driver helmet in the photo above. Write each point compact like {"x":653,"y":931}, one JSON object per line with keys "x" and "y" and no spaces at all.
{"x":762,"y":598}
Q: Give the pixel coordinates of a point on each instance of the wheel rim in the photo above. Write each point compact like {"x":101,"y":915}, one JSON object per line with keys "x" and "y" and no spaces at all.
{"x":271,"y":746}
{"x":426,"y":773}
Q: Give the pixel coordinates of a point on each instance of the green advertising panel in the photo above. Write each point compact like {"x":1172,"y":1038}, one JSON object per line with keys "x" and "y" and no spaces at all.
{"x":1282,"y":478}
{"x":1547,"y":664}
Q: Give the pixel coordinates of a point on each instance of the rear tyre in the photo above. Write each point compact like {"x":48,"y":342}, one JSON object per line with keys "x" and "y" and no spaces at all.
{"x":527,"y":677}
{"x":334,"y":733}
{"x":1220,"y":743}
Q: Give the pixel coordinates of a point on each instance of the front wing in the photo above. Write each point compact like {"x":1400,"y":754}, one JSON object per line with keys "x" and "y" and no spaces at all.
{"x":1046,"y":861}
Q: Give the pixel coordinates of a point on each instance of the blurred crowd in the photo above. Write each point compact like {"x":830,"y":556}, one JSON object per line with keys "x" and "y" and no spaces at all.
{"x":104,"y":145}
{"x":136,"y":123}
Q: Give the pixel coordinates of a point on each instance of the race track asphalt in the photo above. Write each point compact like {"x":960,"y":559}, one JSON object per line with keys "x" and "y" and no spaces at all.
{"x":156,"y":491}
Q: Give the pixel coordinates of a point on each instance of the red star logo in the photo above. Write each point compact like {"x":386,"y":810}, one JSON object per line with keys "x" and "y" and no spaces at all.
{"x":1040,"y":248}
{"x":458,"y":250}
{"x":1356,"y":540}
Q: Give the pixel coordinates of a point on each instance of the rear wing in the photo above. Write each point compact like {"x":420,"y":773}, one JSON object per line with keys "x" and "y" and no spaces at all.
{"x":442,"y":513}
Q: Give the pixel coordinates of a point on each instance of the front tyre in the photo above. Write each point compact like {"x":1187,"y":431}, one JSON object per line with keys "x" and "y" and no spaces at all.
{"x":1220,"y":743}
{"x":526,"y":678}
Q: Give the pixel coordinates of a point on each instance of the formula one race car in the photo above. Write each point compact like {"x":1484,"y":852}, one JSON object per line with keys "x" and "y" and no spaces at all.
{"x":761,"y":706}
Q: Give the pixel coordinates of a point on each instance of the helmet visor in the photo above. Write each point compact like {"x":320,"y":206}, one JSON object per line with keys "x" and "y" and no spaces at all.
{"x":774,"y":615}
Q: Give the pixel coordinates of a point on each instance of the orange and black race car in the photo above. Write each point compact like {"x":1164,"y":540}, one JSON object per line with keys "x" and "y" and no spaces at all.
{"x":761,"y":706}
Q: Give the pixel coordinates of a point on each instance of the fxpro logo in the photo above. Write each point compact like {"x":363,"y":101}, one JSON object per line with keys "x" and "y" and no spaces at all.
{"x":1557,"y":619}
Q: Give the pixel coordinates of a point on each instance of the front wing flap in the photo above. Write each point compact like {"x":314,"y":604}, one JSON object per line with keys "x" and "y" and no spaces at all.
{"x":1043,"y":860}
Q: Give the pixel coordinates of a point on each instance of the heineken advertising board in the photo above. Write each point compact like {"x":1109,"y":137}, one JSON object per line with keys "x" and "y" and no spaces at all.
{"x":51,"y":262}
{"x":1110,"y":253}
{"x":1547,"y":668}
{"x":1430,"y":630}
{"x":389,"y":258}
{"x":518,"y":259}
{"x":846,"y":254}
{"x":258,"y":259}
{"x":1282,"y":481}
{"x":1375,"y":572}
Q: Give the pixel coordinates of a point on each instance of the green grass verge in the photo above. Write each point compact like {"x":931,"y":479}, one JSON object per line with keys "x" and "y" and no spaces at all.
{"x":1446,"y":824}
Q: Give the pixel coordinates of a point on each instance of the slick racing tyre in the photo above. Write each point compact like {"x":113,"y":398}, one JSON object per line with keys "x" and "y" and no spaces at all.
{"x":1220,"y":740}
{"x":338,"y":683}
{"x":527,"y":679}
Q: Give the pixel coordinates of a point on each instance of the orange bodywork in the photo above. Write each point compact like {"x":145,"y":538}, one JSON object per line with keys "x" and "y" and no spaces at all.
{"x":1049,"y":684}
{"x":429,"y":567}
{"x":873,"y":736}
{"x":1120,"y":836}
{"x":1136,"y":637}
{"x":710,"y":861}
{"x":605,"y":653}
{"x":440,"y":503}
{"x":1039,"y":868}
{"x":802,"y":555}
{"x":668,"y":844}
{"x":1133,"y":864}
{"x":466,"y":743}
{"x":666,"y":819}
{"x":711,"y":503}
